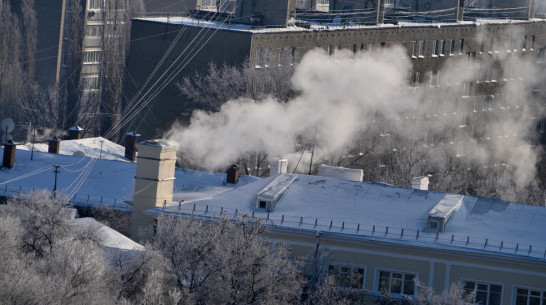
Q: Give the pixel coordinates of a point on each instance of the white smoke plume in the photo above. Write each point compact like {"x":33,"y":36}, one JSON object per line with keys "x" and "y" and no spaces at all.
{"x":348,"y":96}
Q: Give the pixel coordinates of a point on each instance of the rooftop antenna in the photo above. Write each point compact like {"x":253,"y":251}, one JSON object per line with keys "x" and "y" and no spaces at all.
{"x":7,"y":126}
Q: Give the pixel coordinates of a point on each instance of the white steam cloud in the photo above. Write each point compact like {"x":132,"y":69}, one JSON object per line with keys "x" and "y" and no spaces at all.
{"x":348,"y":96}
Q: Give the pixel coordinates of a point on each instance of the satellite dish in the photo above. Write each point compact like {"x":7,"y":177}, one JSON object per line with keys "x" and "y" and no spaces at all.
{"x":7,"y":126}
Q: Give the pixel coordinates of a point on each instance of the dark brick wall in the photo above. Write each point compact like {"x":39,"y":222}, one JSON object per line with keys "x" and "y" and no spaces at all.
{"x":151,"y":39}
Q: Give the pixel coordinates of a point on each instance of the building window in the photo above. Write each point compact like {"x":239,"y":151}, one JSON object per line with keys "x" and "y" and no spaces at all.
{"x":532,"y":42}
{"x":293,"y":55}
{"x":461,"y":46}
{"x":92,"y":56}
{"x":280,"y":59}
{"x":486,"y":293}
{"x":347,"y":276}
{"x":94,"y":30}
{"x":354,"y":48}
{"x":435,"y":78}
{"x":470,"y":58}
{"x":467,"y":88}
{"x":524,"y":43}
{"x":452,"y":47}
{"x":435,"y":48}
{"x":415,"y":49}
{"x":442,"y":47}
{"x":542,"y":126}
{"x":95,"y":4}
{"x":494,"y":74}
{"x":91,"y":83}
{"x":330,"y":50}
{"x":397,"y":282}
{"x":267,"y":57}
{"x":530,"y":296}
{"x":259,"y":55}
{"x":422,"y":48}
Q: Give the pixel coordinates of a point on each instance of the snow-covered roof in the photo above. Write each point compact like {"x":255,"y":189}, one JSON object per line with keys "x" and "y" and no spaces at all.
{"x":91,"y":147}
{"x":110,"y":238}
{"x":92,"y":181}
{"x":356,"y":209}
{"x":372,"y":210}
{"x":189,"y":21}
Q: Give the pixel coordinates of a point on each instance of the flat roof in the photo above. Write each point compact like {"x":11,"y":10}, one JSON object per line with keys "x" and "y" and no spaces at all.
{"x":189,"y":21}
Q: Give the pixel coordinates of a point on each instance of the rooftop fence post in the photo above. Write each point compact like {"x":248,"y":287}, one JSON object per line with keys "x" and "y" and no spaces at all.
{"x":301,"y":221}
{"x":282,"y":219}
{"x":358,"y":228}
{"x":402,"y":234}
{"x":467,"y":239}
{"x":316,"y":222}
{"x":387,"y":231}
{"x":417,"y":236}
{"x":331,"y":223}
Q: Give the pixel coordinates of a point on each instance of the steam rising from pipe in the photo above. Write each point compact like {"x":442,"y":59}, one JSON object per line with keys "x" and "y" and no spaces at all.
{"x":348,"y":96}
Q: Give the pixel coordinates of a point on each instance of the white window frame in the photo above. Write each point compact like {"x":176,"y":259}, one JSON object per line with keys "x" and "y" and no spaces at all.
{"x":391,"y":271}
{"x":479,"y":282}
{"x":515,"y":294}
{"x":351,"y":267}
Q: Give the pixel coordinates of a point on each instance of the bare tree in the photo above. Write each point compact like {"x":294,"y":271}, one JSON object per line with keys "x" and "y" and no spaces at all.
{"x":226,"y":261}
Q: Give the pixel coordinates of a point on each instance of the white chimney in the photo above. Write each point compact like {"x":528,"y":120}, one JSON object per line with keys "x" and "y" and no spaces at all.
{"x":154,"y":183}
{"x":420,"y":183}
{"x":278,"y":166}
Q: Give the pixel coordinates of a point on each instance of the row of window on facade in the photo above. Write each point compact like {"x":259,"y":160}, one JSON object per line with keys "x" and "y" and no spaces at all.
{"x":265,"y":57}
{"x":418,"y":47}
{"x":484,"y":74}
{"x":403,"y":283}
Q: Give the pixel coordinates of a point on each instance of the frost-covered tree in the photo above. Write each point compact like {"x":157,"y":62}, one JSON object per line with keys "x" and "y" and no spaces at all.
{"x":226,"y":261}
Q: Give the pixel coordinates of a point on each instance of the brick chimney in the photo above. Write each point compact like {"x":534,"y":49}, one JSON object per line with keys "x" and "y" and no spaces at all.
{"x":75,"y":132}
{"x":131,"y":140}
{"x":154,"y":183}
{"x":9,"y":154}
{"x":53,"y":145}
{"x":233,"y":174}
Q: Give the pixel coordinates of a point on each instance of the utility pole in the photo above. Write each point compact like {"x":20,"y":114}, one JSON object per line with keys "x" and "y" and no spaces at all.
{"x":56,"y":171}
